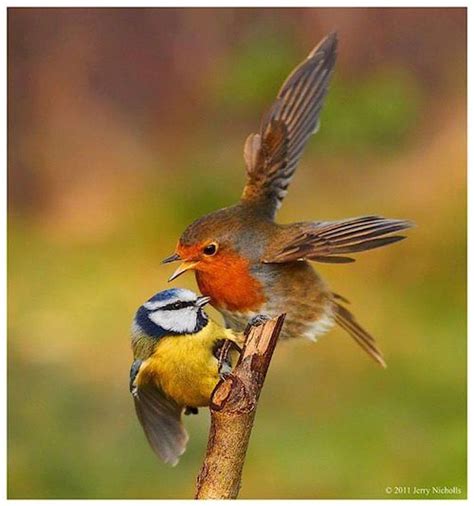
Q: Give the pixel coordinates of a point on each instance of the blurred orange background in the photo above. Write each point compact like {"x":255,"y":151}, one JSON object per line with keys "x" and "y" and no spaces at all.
{"x":124,"y":125}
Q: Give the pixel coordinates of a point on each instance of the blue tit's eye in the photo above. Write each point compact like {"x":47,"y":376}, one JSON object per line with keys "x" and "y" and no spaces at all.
{"x":210,"y":249}
{"x":180,"y":304}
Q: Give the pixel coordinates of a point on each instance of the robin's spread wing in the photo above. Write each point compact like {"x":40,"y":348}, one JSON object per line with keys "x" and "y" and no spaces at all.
{"x":160,"y":418}
{"x":347,"y":321}
{"x":271,"y":156}
{"x":329,"y":241}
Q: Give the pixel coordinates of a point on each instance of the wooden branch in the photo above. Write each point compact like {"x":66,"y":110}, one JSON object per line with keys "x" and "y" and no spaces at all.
{"x":233,"y":405}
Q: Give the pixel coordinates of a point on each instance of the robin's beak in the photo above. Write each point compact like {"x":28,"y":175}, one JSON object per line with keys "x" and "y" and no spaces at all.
{"x":185,"y":266}
{"x":172,"y":258}
{"x":202,"y":301}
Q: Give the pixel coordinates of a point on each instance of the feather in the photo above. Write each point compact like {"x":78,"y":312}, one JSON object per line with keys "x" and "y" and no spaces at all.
{"x":272,"y":155}
{"x":347,"y":321}
{"x":327,"y":241}
{"x":160,"y":418}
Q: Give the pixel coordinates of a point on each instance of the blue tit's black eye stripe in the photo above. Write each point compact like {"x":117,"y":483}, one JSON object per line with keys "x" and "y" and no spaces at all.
{"x":180,"y":304}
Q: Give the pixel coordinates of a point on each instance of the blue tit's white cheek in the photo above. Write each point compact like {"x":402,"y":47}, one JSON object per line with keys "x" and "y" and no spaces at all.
{"x":179,"y":320}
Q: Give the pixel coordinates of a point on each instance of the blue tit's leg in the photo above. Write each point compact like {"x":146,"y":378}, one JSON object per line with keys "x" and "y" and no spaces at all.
{"x":225,"y":368}
{"x":221,"y":351}
{"x":191,"y":410}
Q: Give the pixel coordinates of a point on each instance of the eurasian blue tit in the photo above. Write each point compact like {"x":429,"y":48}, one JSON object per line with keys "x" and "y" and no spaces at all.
{"x":179,"y":357}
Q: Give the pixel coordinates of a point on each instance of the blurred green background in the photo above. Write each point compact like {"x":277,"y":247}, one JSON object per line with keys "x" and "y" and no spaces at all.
{"x":127,"y":124}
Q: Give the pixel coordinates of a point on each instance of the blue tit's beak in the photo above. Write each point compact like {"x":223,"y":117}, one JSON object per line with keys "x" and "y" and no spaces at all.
{"x":202,"y":301}
{"x":172,"y":258}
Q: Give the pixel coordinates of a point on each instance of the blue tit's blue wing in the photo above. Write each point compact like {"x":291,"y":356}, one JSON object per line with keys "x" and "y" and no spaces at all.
{"x":160,"y":418}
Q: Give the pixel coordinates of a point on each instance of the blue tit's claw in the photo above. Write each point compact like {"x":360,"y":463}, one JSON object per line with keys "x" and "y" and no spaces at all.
{"x":191,"y":410}
{"x":225,"y":370}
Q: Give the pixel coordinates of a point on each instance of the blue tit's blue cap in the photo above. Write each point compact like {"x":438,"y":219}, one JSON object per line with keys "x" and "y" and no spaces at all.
{"x":174,"y":293}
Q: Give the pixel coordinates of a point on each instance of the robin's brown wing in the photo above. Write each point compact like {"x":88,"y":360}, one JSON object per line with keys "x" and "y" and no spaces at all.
{"x":345,"y":319}
{"x":271,"y":156}
{"x":160,"y":418}
{"x":330,"y":241}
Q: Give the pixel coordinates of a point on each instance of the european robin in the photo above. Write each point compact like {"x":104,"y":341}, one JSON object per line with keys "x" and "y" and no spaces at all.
{"x":248,"y":264}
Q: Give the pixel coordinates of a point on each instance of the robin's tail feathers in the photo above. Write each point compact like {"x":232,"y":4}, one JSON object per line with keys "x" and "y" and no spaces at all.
{"x":330,"y":241}
{"x":346,"y":320}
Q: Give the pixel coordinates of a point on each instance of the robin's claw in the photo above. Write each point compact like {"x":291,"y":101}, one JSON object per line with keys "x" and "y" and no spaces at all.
{"x":258,"y":320}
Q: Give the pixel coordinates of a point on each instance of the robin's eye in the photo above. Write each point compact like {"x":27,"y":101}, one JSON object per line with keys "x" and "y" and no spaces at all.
{"x":210,"y":249}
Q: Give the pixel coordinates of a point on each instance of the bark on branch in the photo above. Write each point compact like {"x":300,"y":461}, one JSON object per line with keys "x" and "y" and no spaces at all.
{"x":233,"y":407}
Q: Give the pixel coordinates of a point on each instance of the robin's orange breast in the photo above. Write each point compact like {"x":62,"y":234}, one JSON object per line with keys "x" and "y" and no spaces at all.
{"x":229,"y":283}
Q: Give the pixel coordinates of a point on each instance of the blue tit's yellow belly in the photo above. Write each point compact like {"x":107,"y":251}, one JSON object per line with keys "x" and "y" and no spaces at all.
{"x":185,"y":368}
